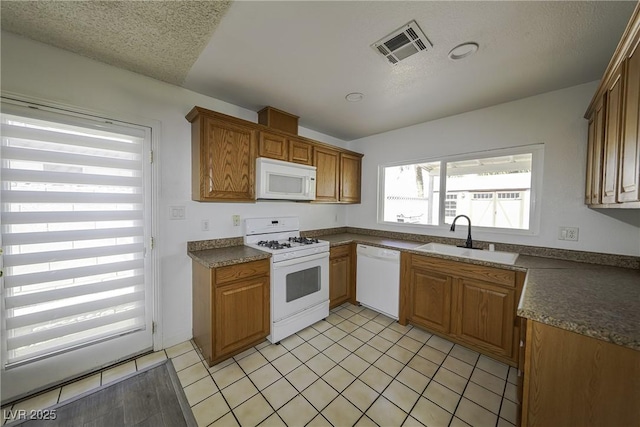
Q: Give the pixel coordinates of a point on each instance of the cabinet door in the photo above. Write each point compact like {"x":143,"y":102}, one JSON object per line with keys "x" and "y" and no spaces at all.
{"x":339,"y":280}
{"x":300,"y":152}
{"x":429,"y":300}
{"x":591,"y":133}
{"x":273,"y":146}
{"x":326,"y":162}
{"x":629,"y":172}
{"x":575,"y":380}
{"x":485,"y":315}
{"x":201,"y":313}
{"x":227,"y":168}
{"x":241,"y":314}
{"x":612,"y":138}
{"x":597,"y":153}
{"x":350,"y":172}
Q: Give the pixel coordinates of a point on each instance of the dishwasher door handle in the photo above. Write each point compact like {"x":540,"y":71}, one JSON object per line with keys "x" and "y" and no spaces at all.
{"x":381,"y":258}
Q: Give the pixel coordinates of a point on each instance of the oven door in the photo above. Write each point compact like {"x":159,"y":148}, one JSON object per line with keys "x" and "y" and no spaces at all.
{"x":298,"y":284}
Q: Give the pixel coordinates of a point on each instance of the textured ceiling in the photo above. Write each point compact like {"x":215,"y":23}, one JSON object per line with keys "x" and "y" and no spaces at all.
{"x":160,"y":39}
{"x":305,"y":56}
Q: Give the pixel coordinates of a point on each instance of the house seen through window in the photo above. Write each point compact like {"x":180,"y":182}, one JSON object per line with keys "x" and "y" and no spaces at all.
{"x":494,"y":190}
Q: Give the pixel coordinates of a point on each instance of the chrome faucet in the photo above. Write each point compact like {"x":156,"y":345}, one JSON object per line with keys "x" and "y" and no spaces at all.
{"x":469,"y":242}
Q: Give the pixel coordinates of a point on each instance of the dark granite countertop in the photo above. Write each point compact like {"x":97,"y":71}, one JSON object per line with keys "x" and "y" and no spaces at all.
{"x":598,"y":301}
{"x":346,"y":238}
{"x":220,"y":257}
{"x":594,"y":300}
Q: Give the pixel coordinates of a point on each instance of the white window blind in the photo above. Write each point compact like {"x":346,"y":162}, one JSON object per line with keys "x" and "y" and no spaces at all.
{"x":73,"y":231}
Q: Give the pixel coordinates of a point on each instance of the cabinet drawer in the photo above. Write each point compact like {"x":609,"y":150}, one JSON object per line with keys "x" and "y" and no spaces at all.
{"x":462,"y":269}
{"x":340,"y":251}
{"x":241,"y":271}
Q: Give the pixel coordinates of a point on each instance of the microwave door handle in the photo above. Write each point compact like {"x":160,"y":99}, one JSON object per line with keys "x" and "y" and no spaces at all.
{"x":308,"y":186}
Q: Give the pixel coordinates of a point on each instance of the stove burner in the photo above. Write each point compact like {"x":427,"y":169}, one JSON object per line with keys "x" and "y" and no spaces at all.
{"x":273,"y":244}
{"x":303,"y":240}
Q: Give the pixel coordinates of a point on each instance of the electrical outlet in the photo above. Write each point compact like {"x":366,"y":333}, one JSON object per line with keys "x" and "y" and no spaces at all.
{"x":236,"y":220}
{"x":568,"y":233}
{"x":205,"y":225}
{"x":176,"y":212}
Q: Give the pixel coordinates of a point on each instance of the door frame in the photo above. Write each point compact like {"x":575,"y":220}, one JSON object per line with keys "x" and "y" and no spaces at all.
{"x":93,"y":351}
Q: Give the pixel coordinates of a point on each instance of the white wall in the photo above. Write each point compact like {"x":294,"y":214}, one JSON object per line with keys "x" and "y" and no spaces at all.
{"x":36,"y":70}
{"x":555,"y":119}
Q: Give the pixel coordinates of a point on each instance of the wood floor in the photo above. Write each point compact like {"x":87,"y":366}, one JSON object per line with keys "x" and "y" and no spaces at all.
{"x":147,"y":399}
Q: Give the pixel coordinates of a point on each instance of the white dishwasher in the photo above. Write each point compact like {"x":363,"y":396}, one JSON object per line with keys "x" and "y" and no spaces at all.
{"x":378,"y":279}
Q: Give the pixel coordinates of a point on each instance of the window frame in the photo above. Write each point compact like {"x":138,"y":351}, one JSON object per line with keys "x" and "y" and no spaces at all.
{"x":537,"y":168}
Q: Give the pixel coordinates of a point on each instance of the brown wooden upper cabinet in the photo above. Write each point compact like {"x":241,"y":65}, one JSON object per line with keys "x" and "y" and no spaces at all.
{"x":612,"y":137}
{"x":350,"y":173}
{"x":629,"y":170}
{"x":613,"y":155}
{"x":327,"y":163}
{"x":223,"y":157}
{"x":280,"y":147}
{"x":338,"y":175}
{"x":273,"y":146}
{"x":300,"y":152}
{"x":224,"y":151}
{"x":594,"y":154}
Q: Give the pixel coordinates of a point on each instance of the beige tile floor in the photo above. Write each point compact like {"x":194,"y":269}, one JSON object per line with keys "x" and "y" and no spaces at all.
{"x":356,"y":368}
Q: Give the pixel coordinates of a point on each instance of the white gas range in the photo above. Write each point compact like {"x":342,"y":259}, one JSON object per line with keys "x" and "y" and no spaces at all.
{"x":299,"y":273}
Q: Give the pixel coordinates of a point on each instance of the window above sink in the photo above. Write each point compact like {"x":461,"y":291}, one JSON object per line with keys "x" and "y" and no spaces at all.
{"x":497,"y":189}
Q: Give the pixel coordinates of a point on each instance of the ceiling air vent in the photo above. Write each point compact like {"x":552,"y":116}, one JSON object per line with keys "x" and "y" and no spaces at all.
{"x":402,"y":43}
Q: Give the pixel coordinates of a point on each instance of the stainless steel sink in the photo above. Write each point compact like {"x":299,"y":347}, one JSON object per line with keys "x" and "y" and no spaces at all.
{"x":490,"y":256}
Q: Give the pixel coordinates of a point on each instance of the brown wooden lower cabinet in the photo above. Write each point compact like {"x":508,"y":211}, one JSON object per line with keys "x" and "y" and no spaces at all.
{"x":486,"y":315}
{"x":429,"y":296}
{"x":230,"y":308}
{"x":469,"y":304}
{"x":575,"y":380}
{"x":341,"y":275}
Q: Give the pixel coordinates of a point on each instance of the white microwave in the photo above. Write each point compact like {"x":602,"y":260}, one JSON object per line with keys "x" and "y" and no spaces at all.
{"x":278,"y":180}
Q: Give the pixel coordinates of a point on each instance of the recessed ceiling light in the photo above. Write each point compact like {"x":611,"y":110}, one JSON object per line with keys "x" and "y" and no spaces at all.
{"x":354,"y":97}
{"x":463,"y":50}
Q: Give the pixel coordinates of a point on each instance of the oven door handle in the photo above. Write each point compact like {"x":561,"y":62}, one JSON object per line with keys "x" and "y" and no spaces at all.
{"x":290,"y":262}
